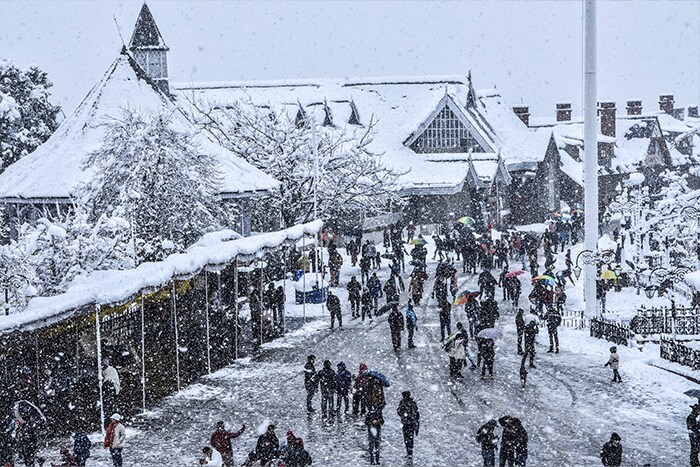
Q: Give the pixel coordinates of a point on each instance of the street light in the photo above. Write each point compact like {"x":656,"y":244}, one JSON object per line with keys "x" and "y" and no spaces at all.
{"x":11,"y":281}
{"x":661,"y":274}
{"x":587,"y":257}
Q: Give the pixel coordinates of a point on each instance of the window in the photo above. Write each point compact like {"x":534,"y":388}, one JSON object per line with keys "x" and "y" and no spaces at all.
{"x":446,"y":134}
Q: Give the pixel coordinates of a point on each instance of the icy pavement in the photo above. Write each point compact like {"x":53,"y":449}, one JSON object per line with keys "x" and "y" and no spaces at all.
{"x":569,"y":408}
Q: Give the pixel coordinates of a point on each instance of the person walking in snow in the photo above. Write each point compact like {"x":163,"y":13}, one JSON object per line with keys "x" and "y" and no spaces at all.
{"x":611,"y":454}
{"x":472,"y":309}
{"x":486,"y":436}
{"x":396,"y":326}
{"x":375,"y":289}
{"x":310,"y":381}
{"x":221,"y":441}
{"x":328,"y":384}
{"x":333,"y":304}
{"x":614,"y":364}
{"x":367,"y":303}
{"x":410,"y":420}
{"x":354,"y":294}
{"x":114,"y":439}
{"x":514,"y":442}
{"x":553,"y":319}
{"x":352,"y":250}
{"x":411,"y":323}
{"x":692,"y":422}
{"x":374,"y":422}
{"x":487,"y":284}
{"x":520,"y":328}
{"x":365,"y":265}
{"x":343,"y":380}
{"x":391,"y":292}
{"x":445,"y":315}
{"x":359,"y":390}
{"x":531,"y":331}
{"x":488,"y":353}
{"x":488,"y":313}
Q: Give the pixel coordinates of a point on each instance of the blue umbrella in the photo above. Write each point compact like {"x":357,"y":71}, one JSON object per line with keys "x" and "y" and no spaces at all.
{"x":380,"y":377}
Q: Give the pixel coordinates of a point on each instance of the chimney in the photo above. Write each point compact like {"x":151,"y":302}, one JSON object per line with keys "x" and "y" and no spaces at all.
{"x":564,"y":112}
{"x":523,"y":113}
{"x":634,"y":107}
{"x":606,"y":111}
{"x":693,"y":111}
{"x":666,"y":103}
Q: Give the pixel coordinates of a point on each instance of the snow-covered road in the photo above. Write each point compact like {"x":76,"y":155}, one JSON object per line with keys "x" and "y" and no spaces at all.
{"x":569,"y":407}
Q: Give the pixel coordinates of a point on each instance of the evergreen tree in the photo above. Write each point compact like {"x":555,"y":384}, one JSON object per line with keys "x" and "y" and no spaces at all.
{"x":27,"y":118}
{"x":157,"y":179}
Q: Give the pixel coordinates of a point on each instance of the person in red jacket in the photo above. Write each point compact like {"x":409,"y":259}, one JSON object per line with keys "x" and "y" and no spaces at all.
{"x":221,"y":441}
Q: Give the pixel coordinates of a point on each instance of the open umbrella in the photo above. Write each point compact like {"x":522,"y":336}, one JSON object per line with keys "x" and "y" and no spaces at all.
{"x":388,"y":255}
{"x":693,"y":393}
{"x":608,"y":274}
{"x":418,"y":241}
{"x":490,"y":333}
{"x":466,"y":220}
{"x":464,"y":296}
{"x":510,"y":274}
{"x":556,"y":215}
{"x":528,"y":318}
{"x":377,"y":375}
{"x":549,"y":280}
{"x":577,"y":211}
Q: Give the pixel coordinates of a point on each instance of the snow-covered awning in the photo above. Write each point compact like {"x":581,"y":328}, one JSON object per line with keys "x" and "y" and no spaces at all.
{"x":114,"y":287}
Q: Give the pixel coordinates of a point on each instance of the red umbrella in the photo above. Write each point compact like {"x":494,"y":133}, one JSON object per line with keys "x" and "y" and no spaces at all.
{"x":510,"y":274}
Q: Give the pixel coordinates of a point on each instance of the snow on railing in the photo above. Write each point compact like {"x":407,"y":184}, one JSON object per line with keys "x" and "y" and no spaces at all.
{"x":109,"y":287}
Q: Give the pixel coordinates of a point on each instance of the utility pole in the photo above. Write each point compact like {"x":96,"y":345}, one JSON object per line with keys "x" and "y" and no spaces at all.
{"x":590,"y":165}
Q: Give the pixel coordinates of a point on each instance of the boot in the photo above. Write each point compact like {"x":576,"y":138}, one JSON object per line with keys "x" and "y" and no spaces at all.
{"x":551,"y":349}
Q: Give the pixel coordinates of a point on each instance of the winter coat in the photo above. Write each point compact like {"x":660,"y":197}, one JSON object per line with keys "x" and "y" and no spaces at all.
{"x":553,"y":319}
{"x":310,"y":377}
{"x":81,"y":446}
{"x":360,"y":384}
{"x":488,"y":351}
{"x":374,"y":286}
{"x":374,"y":420}
{"x":267,"y":448}
{"x":693,"y":424}
{"x":109,"y":374}
{"x":327,"y":380}
{"x":487,"y":437}
{"x":221,"y":440}
{"x":115,"y":436}
{"x":374,"y":395}
{"x":411,"y":320}
{"x":519,"y":321}
{"x":297,"y":456}
{"x":343,"y":380}
{"x":333,"y":304}
{"x":488,"y":315}
{"x":216,"y":460}
{"x":531,"y":331}
{"x":408,"y":412}
{"x":366,"y":300}
{"x":396,"y":321}
{"x":611,"y":455}
{"x":614,"y":361}
{"x":354,"y":288}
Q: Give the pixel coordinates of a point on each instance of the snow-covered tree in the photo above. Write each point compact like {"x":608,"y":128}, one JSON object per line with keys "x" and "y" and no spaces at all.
{"x":351,"y":178}
{"x":157,"y":179}
{"x":27,"y":118}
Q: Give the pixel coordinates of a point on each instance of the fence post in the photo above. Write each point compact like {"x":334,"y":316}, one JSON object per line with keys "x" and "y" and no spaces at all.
{"x":177,"y":337}
{"x":143,"y":358}
{"x":98,"y":338}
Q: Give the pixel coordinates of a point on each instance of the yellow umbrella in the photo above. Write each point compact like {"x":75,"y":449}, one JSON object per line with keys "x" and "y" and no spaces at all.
{"x":608,"y":274}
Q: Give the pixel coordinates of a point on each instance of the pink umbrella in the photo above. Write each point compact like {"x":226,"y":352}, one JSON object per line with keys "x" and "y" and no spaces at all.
{"x":514,"y":273}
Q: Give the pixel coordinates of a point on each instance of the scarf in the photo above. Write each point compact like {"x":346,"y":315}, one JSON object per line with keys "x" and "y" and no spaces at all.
{"x":109,"y":435}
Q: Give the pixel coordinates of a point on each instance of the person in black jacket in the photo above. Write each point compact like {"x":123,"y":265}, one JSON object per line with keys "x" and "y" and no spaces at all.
{"x":553,"y":319}
{"x":488,"y":313}
{"x":333,"y":304}
{"x":367,"y":303}
{"x":396,"y":325}
{"x":531,"y":330}
{"x":410,"y":419}
{"x":488,"y":440}
{"x":297,"y":456}
{"x":354,"y":292}
{"x":520,"y":328}
{"x":268,"y":446}
{"x":508,"y":441}
{"x":328,"y":383}
{"x":611,"y":454}
{"x":310,"y":381}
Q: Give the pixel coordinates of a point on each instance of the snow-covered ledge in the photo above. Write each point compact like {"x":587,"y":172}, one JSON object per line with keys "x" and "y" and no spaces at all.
{"x":111,"y":287}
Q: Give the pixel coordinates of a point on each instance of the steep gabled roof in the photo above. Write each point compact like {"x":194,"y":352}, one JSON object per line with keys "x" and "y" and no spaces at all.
{"x":55,"y":169}
{"x":146,"y":34}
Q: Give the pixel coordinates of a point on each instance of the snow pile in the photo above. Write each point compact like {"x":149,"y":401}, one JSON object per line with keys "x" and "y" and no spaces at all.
{"x":106,"y":287}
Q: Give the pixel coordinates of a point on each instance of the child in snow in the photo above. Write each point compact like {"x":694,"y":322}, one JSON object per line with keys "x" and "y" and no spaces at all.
{"x":614,"y":362}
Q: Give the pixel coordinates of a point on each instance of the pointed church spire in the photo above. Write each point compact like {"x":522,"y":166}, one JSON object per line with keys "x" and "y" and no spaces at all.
{"x":471,"y":95}
{"x":149,"y":49}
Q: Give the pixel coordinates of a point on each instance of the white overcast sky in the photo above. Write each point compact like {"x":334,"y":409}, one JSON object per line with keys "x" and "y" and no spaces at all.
{"x":530,"y":50}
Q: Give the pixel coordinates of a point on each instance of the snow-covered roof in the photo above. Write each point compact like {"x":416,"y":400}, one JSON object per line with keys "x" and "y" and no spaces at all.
{"x":400,"y":107}
{"x":55,"y":169}
{"x":115,"y":287}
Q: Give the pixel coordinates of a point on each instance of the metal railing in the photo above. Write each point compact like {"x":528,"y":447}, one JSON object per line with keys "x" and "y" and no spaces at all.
{"x":678,"y":352}
{"x":610,"y":331}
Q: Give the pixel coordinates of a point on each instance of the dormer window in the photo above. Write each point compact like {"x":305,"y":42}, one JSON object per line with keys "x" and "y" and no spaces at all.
{"x":446,"y":133}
